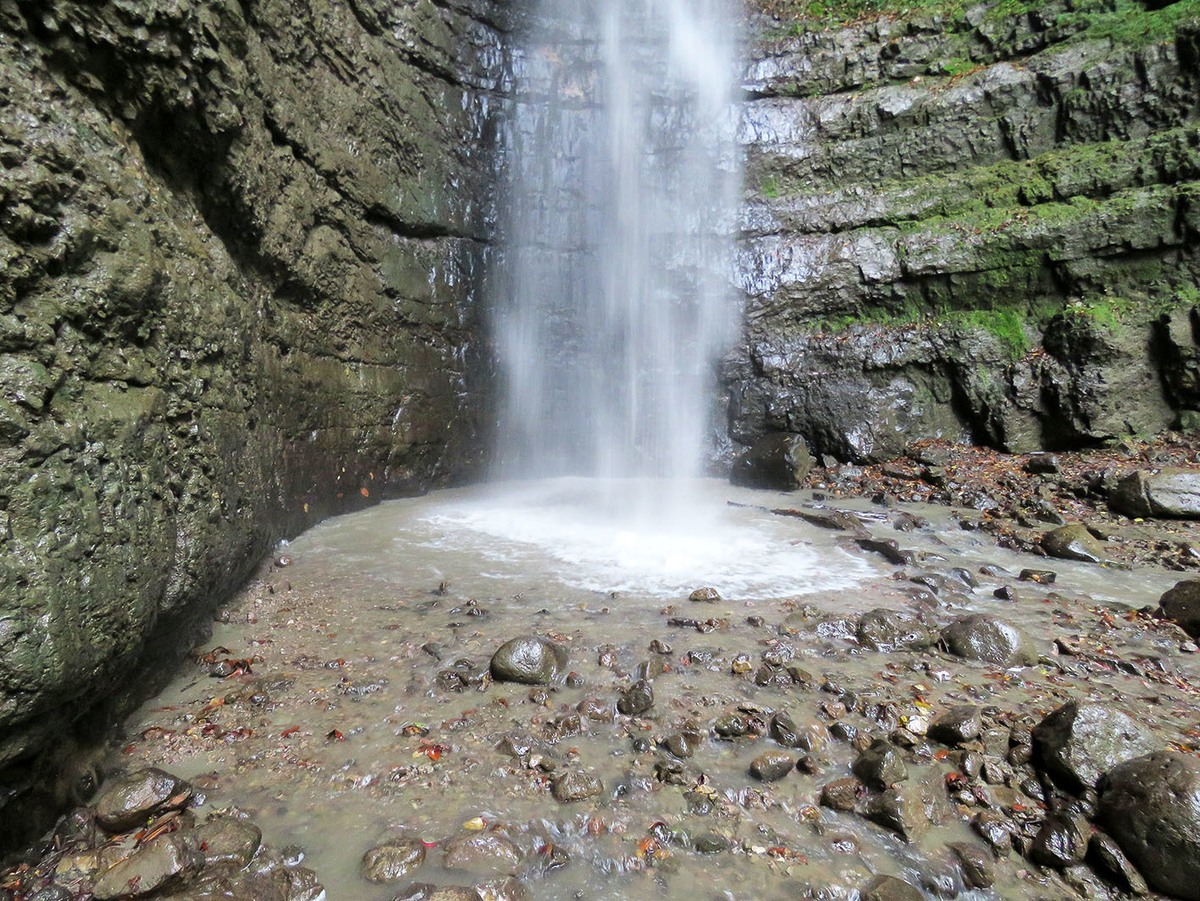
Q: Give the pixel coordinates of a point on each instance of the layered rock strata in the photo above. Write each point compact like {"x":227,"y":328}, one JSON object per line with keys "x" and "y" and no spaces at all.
{"x":978,"y":225}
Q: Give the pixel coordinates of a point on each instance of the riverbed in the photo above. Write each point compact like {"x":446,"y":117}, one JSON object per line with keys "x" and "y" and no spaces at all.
{"x":344,"y":697}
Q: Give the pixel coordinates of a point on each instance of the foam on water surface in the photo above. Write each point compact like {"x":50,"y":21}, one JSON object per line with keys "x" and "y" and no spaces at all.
{"x":580,"y":532}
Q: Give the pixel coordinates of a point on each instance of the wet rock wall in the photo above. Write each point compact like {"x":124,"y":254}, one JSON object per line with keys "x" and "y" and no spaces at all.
{"x":977,"y":224}
{"x":241,"y":245}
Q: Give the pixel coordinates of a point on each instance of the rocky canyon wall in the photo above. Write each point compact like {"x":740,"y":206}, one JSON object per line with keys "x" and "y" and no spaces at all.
{"x":978,"y":223}
{"x":241,"y":246}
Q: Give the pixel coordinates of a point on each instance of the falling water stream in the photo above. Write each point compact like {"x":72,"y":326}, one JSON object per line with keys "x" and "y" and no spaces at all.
{"x":615,"y":299}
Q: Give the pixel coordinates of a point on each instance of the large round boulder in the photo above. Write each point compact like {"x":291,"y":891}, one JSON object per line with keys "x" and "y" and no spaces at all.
{"x":1151,"y":806}
{"x":1078,"y":743}
{"x":990,"y":640}
{"x":529,"y":660}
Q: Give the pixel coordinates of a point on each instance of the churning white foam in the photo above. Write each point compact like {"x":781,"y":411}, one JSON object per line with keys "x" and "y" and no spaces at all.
{"x":578,"y":531}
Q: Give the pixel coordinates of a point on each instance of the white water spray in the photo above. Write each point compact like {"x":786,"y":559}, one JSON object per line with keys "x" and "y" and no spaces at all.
{"x":615,"y":300}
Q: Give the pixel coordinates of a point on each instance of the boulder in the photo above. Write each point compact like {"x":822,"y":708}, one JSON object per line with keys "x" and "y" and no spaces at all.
{"x":228,"y":842}
{"x":1078,"y":743}
{"x":889,"y":630}
{"x":167,"y":860}
{"x":1062,"y":841}
{"x":1073,"y":542}
{"x":880,"y":766}
{"x":576,"y":786}
{"x":779,"y":461}
{"x":1167,"y":494}
{"x":528,"y":660}
{"x":1151,"y":806}
{"x":129,"y":800}
{"x":636,"y":699}
{"x":976,"y":864}
{"x":1106,"y":857}
{"x":990,"y":640}
{"x":906,"y":810}
{"x":784,"y":731}
{"x":771,"y":766}
{"x":1182,"y":604}
{"x":393,"y":860}
{"x":957,"y":725}
{"x":487,"y":853}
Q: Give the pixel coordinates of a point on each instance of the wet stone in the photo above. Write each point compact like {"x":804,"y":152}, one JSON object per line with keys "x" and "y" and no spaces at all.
{"x":424,"y":891}
{"x":989,"y":640}
{"x":772,"y":677}
{"x":889,"y":888}
{"x":165,"y":861}
{"x":1078,"y":743}
{"x":509,"y":889}
{"x":1151,"y":806}
{"x":228,"y":842}
{"x":733,"y":725}
{"x":488,"y":854}
{"x":841,"y":794}
{"x":1062,"y":841}
{"x":51,"y":893}
{"x":393,"y":860}
{"x":127,"y":801}
{"x":889,"y":630}
{"x":784,"y":731}
{"x":976,"y":864}
{"x":889,"y":549}
{"x":1107,"y":858}
{"x":904,"y":810}
{"x":576,"y":786}
{"x":705,"y":595}
{"x":994,"y":831}
{"x":1073,"y":542}
{"x":1039,"y":576}
{"x":880,"y":766}
{"x":683,"y":744}
{"x":636,"y":699}
{"x":958,"y":725}
{"x":711,"y":843}
{"x":528,"y":660}
{"x":771,"y":766}
{"x":778,"y":460}
{"x":595,"y":709}
{"x":1182,"y":604}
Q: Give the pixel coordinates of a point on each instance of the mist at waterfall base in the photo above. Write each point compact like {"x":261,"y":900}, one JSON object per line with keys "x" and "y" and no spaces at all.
{"x":613,"y":305}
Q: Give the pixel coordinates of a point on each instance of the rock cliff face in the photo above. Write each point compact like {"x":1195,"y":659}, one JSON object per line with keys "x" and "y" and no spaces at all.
{"x":240,"y":251}
{"x":978,"y":224}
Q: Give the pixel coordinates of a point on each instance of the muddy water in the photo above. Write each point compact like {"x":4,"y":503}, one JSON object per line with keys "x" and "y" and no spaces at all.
{"x":353,"y":725}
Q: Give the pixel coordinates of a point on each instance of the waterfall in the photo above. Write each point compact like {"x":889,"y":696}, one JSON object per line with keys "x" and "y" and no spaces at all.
{"x":614,"y":299}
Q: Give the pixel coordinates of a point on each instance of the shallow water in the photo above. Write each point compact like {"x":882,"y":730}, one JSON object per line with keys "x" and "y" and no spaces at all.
{"x":330,"y":742}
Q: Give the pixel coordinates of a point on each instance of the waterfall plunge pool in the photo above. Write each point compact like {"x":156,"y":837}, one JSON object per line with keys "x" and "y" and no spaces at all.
{"x":367,"y":717}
